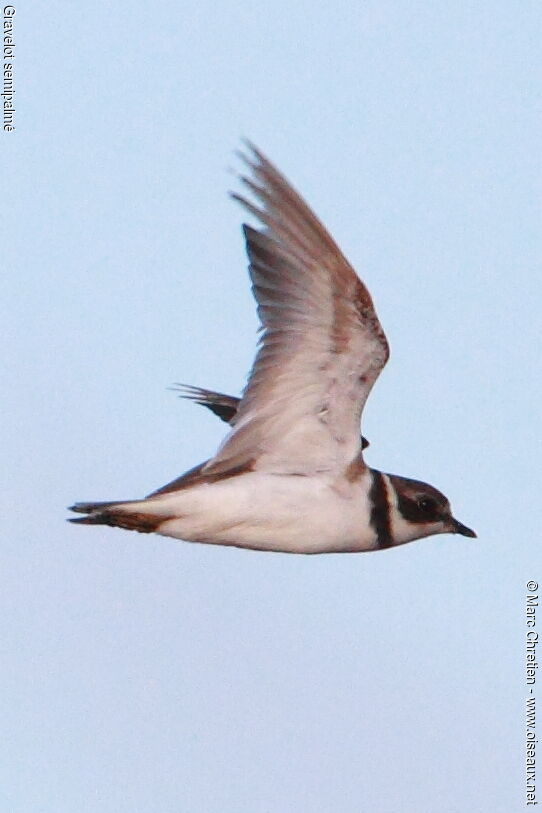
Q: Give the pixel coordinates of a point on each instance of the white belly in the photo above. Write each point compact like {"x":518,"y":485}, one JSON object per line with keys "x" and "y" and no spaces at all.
{"x":271,"y":512}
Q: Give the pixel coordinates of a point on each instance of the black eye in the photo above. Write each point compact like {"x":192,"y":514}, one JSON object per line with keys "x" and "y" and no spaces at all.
{"x":427,"y":505}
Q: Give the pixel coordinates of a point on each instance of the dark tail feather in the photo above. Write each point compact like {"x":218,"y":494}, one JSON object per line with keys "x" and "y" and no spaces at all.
{"x":107,"y":513}
{"x":92,"y":519}
{"x":89,"y":507}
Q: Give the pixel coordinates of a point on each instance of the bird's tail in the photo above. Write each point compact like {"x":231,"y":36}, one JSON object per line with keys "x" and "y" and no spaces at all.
{"x":134,"y":515}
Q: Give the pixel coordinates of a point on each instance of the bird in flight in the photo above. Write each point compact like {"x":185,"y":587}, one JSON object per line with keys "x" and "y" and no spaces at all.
{"x":290,"y":474}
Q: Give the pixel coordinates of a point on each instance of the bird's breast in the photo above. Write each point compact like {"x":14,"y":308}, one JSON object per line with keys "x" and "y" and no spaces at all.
{"x":290,"y":513}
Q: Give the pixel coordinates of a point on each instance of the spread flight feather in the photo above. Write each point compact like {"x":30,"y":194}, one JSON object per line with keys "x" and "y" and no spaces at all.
{"x":322,"y":346}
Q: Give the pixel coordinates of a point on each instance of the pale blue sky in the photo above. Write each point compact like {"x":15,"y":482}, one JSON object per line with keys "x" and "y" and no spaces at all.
{"x":143,"y":675}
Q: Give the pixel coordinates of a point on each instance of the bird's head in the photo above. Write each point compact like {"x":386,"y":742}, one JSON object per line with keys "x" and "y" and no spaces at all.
{"x":420,"y":510}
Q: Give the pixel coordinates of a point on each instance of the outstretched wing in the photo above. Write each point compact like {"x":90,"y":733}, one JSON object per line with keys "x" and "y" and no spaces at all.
{"x":225,"y":406}
{"x":322,"y":346}
{"x":222,"y":405}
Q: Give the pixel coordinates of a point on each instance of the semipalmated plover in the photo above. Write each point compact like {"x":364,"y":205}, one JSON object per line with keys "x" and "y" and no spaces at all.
{"x":290,"y":475}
